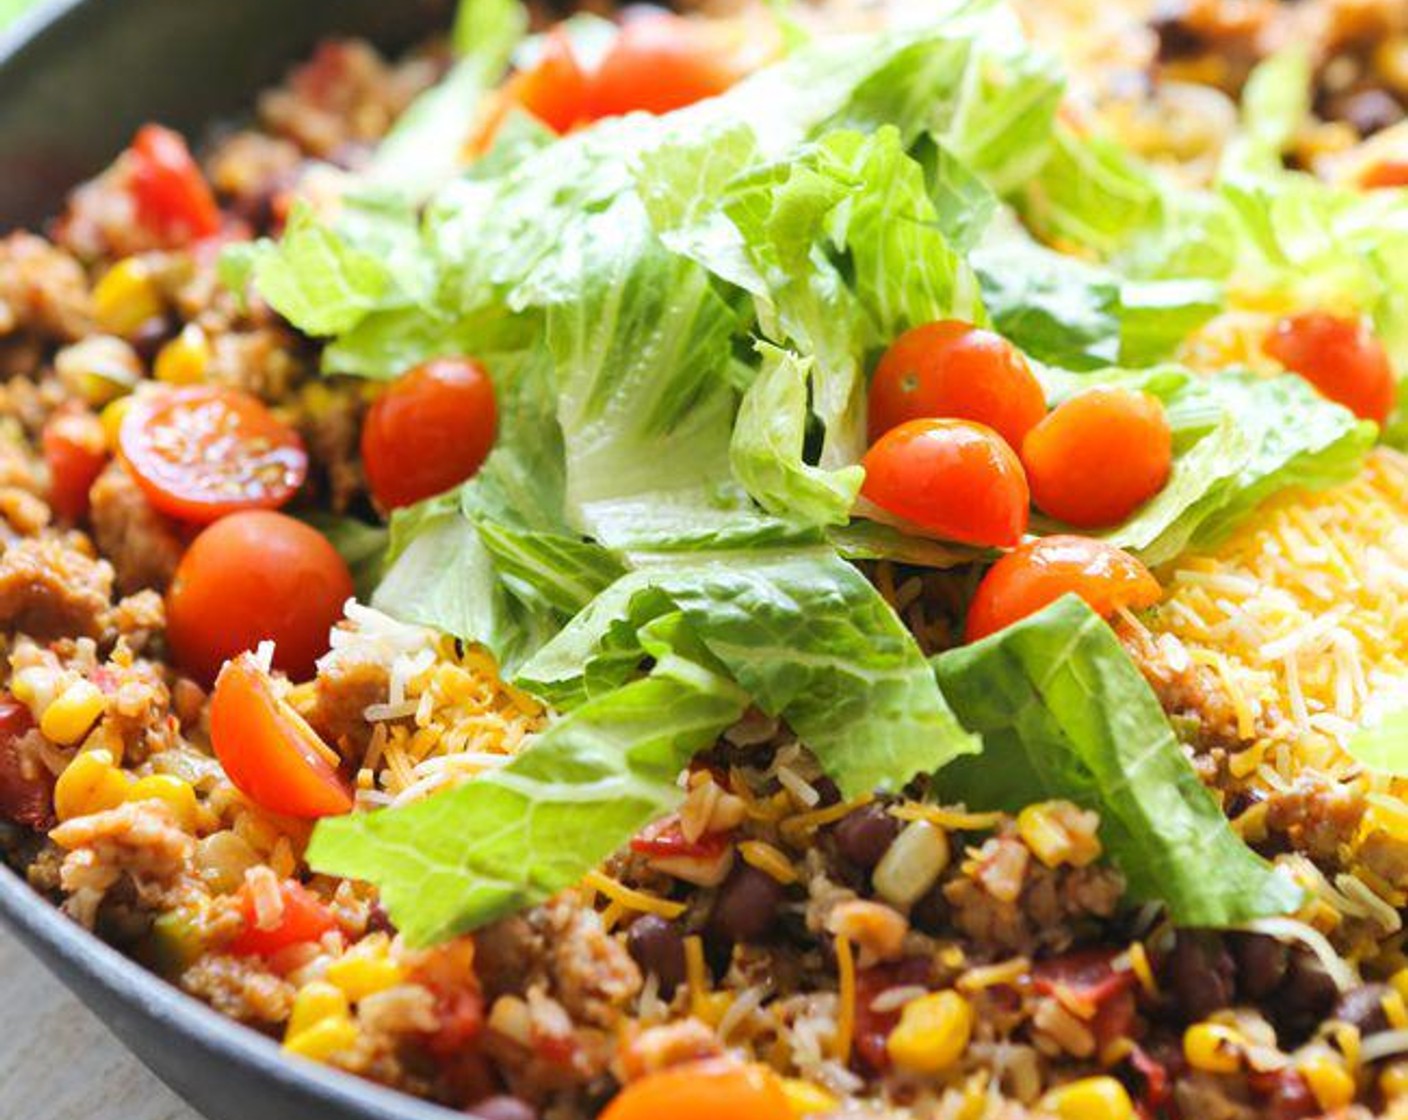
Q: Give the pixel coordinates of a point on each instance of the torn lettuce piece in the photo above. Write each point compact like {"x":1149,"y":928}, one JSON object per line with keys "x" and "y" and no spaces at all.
{"x":1382,"y":743}
{"x":808,"y":638}
{"x":1064,"y":713}
{"x":516,"y":836}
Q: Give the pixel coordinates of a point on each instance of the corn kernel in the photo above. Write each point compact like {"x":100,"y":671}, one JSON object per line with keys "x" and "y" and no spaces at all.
{"x":1058,"y":832}
{"x":323,"y":1040}
{"x":1329,"y":1081}
{"x":362,"y":976}
{"x":1393,"y":1082}
{"x":806,"y":1099}
{"x":912,"y":864}
{"x":176,"y":793}
{"x":932,"y":1034}
{"x":126,"y":298}
{"x":184,"y":360}
{"x":1093,"y":1098}
{"x":1213,"y":1048}
{"x":112,"y":417}
{"x":71,"y":715}
{"x":100,"y":368}
{"x":1399,"y":982}
{"x":316,"y":1002}
{"x":91,"y":783}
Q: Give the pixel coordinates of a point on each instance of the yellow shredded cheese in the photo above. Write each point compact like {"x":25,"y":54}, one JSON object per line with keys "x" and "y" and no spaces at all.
{"x":846,"y":1012}
{"x":630,"y":899}
{"x":768,"y":860}
{"x":950,"y":819}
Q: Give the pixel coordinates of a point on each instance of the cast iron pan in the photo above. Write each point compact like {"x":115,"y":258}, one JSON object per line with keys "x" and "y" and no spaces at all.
{"x":76,"y":79}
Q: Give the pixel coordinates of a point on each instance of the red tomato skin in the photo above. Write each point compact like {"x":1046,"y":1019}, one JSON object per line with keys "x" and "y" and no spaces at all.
{"x":432,"y":429}
{"x":1341,"y":357}
{"x":1099,"y":456}
{"x":202,"y":452}
{"x":954,"y":369}
{"x":75,"y":454}
{"x":268,"y":752}
{"x":255,"y":576}
{"x":555,"y":88}
{"x":661,"y":62}
{"x":955,"y":478}
{"x":1039,"y":572}
{"x":709,"y":1090}
{"x":665,"y":839}
{"x":173,"y":199}
{"x":305,"y":919}
{"x":26,"y":794}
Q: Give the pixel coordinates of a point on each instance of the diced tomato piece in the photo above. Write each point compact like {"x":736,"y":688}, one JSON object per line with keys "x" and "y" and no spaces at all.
{"x":305,"y":919}
{"x":173,"y":199}
{"x":269,"y":752}
{"x":202,"y":452}
{"x":461,"y":1015}
{"x":554,"y":89}
{"x":1386,"y":173}
{"x":75,"y":453}
{"x":665,"y":839}
{"x":26,"y":788}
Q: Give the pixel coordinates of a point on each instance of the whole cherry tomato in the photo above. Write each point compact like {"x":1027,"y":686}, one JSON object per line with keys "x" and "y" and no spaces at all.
{"x":433,"y":428}
{"x":1039,"y":572}
{"x":954,"y":369}
{"x":954,"y":478}
{"x":1340,"y":357}
{"x":1099,"y":456}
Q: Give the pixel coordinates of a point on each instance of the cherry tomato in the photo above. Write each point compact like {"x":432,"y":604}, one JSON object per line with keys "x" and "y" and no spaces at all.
{"x":1385,"y":173}
{"x":26,"y":785}
{"x":201,"y":452}
{"x":709,"y":1090}
{"x":1040,"y":572}
{"x":431,"y":429}
{"x":660,"y":62}
{"x":1099,"y":456}
{"x":172,"y":197}
{"x":951,"y":477}
{"x":956,"y":370}
{"x":252,"y":577}
{"x":554,"y":89}
{"x":305,"y":918}
{"x":75,"y":453}
{"x":1341,"y":357}
{"x":268,"y":750}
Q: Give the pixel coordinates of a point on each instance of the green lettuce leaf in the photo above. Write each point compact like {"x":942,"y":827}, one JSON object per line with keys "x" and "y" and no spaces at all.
{"x":1064,"y":712}
{"x":1383,"y":743}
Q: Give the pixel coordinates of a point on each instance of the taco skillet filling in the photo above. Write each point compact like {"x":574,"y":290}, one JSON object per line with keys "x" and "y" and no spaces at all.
{"x":837,"y":561}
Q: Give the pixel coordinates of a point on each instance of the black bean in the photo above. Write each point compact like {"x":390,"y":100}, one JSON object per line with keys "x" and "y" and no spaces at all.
{"x":865,"y":836}
{"x":1363,"y":1007}
{"x":503,"y":1108}
{"x":658,"y":947}
{"x":746,"y":906}
{"x":1308,"y":995}
{"x":931,"y":913}
{"x":1369,"y":111}
{"x":152,"y":335}
{"x":1177,"y":37}
{"x":827,"y":790}
{"x":1261,"y":964}
{"x":1200,"y":974}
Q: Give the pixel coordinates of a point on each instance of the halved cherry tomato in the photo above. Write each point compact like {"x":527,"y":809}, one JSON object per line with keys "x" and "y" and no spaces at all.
{"x":201,"y":452}
{"x":26,"y":786}
{"x":952,"y":477}
{"x":660,"y":62}
{"x":713,"y":1090}
{"x":252,"y":577}
{"x":268,"y":750}
{"x":75,"y":452}
{"x":431,"y":429}
{"x":954,"y":369}
{"x":1099,"y":456}
{"x":1341,"y":357}
{"x":173,"y":199}
{"x":1041,"y":571}
{"x":554,"y":89}
{"x":1385,"y":173}
{"x":305,"y":918}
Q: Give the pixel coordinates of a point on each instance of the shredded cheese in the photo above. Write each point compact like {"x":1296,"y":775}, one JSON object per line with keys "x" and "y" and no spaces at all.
{"x":630,"y":899}
{"x":846,"y":1012}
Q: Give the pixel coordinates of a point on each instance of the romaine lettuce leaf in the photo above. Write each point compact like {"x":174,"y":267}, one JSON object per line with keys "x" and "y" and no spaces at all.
{"x":1063,"y":712}
{"x":1383,"y":743}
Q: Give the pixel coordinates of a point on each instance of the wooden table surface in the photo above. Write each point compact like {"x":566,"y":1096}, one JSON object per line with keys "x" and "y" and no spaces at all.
{"x":63,"y":1064}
